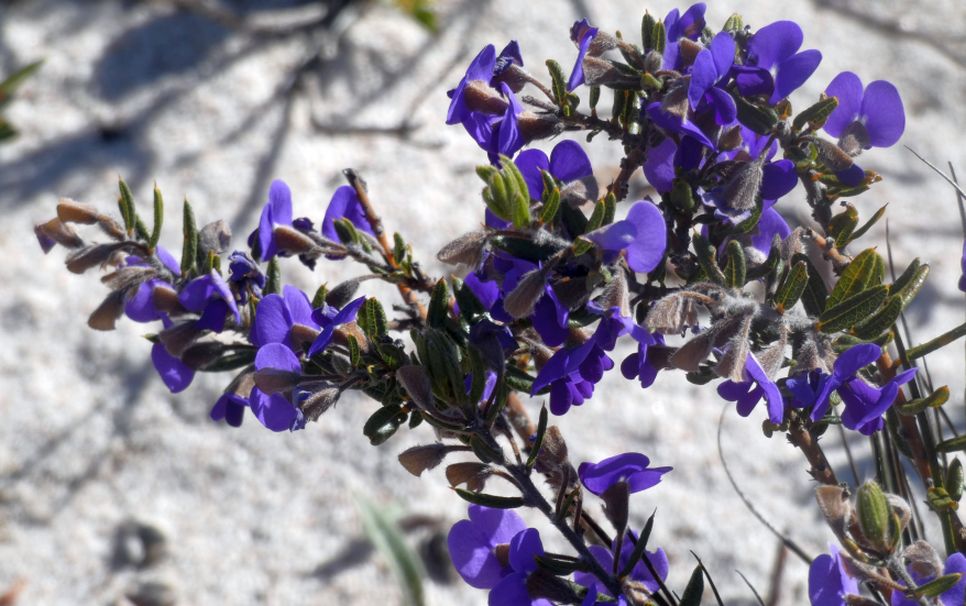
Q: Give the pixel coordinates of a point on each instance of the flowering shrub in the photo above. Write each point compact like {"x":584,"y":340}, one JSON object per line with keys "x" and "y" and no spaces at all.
{"x":706,"y":276}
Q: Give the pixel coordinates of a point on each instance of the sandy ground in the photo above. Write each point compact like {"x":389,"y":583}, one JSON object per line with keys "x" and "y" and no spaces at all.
{"x":91,"y":440}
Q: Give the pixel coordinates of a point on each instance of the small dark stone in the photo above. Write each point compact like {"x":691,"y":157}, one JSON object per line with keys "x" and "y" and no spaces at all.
{"x":138,"y":544}
{"x":152,"y":593}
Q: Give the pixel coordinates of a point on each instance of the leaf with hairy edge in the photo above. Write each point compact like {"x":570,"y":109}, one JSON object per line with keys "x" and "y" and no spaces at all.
{"x":866,"y":269}
{"x":792,"y":287}
{"x":853,"y":310}
{"x":538,"y":439}
{"x":841,"y":226}
{"x":880,"y":321}
{"x":489,"y":500}
{"x":815,"y":295}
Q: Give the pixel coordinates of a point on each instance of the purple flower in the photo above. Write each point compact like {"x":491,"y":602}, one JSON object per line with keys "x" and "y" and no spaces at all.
{"x":245,"y":276}
{"x":643,"y":235}
{"x":640,"y":572}
{"x":660,"y":167}
{"x":495,"y":550}
{"x":630,"y":467}
{"x":275,"y":410}
{"x":230,"y":407}
{"x":345,"y":204}
{"x":864,"y":403}
{"x":641,"y":365}
{"x":775,"y":67}
{"x":770,"y":224}
{"x":277,"y":315}
{"x":175,"y":373}
{"x":689,"y":25}
{"x":485,"y":69}
{"x":870,"y":118}
{"x":828,"y":582}
{"x":329,"y":318}
{"x":211,"y":298}
{"x":277,"y":211}
{"x":675,"y":124}
{"x":709,"y":74}
{"x":141,"y":308}
{"x":954,"y":596}
{"x":582,"y":34}
{"x":568,"y":162}
{"x":748,"y":393}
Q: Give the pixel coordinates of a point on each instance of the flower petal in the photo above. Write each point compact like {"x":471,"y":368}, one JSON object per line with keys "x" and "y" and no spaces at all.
{"x":793,"y":72}
{"x":569,"y":162}
{"x":650,"y":242}
{"x":885,"y":118}
{"x":847,"y":88}
{"x":775,"y":42}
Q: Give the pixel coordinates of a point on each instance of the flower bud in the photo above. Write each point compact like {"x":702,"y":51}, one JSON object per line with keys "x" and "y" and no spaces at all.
{"x":316,"y":398}
{"x":107,"y":313}
{"x":71,"y":211}
{"x":464,"y":250}
{"x":524,"y":297}
{"x":538,"y":126}
{"x":653,"y":61}
{"x":875,"y":517}
{"x":418,"y":459}
{"x":479,"y":97}
{"x":955,"y":480}
{"x":416,"y":382}
{"x":922,"y":559}
{"x":471,"y":473}
{"x":54,"y":232}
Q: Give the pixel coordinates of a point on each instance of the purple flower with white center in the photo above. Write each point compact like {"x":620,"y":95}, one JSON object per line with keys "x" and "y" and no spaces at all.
{"x":495,"y":550}
{"x":640,"y":572}
{"x":211,"y":298}
{"x":709,"y":74}
{"x":630,"y":467}
{"x":774,"y":66}
{"x":277,"y":370}
{"x":688,"y":25}
{"x":864,"y":403}
{"x":329,"y":318}
{"x":277,"y":315}
{"x":748,"y":393}
{"x":277,"y":211}
{"x":873,"y":117}
{"x":345,"y":204}
{"x":954,"y":596}
{"x":582,"y":34}
{"x":568,"y":163}
{"x":245,"y":276}
{"x":642,"y":236}
{"x":828,"y":581}
{"x":230,"y":407}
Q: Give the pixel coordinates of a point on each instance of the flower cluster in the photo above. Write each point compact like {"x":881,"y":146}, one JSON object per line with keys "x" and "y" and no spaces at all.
{"x":706,"y":274}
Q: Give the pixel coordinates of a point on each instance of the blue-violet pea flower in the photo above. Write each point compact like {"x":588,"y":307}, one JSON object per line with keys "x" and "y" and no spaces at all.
{"x":962,"y":279}
{"x":748,"y":393}
{"x":954,"y":596}
{"x":278,"y":314}
{"x":775,"y":67}
{"x":641,"y":365}
{"x":582,"y":35}
{"x":329,"y":319}
{"x":642,"y":235}
{"x":485,"y":69}
{"x":828,"y":581}
{"x":640,"y":573}
{"x":873,"y":117}
{"x":709,"y":74}
{"x":689,"y":25}
{"x":245,"y":276}
{"x":277,"y":211}
{"x":681,"y":125}
{"x":210,"y":297}
{"x":568,"y":163}
{"x":630,"y":467}
{"x":277,"y":370}
{"x":494,"y":549}
{"x":864,"y":404}
{"x":175,"y":374}
{"x":345,"y":204}
{"x":230,"y":407}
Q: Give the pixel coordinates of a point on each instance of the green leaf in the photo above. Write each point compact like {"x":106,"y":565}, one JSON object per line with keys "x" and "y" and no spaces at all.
{"x":189,"y":231}
{"x":517,"y":191}
{"x":383,"y":423}
{"x":908,"y":285}
{"x":933,"y":400}
{"x":733,"y":24}
{"x":558,"y":86}
{"x":815,"y":295}
{"x":866,"y":269}
{"x":355,"y":352}
{"x":853,"y":310}
{"x":868,"y":224}
{"x":791,"y":288}
{"x":125,"y":203}
{"x":538,"y":439}
{"x":659,"y":37}
{"x":489,"y":500}
{"x":880,"y":321}
{"x":470,"y":306}
{"x":438,"y":305}
{"x":372,"y":319}
{"x":841,"y":226}
{"x":551,"y":198}
{"x":938,"y":586}
{"x":759,"y":119}
{"x":952,"y":444}
{"x":639,"y":547}
{"x":158,"y":218}
{"x":647,"y":31}
{"x":14,"y":80}
{"x":695,"y":589}
{"x":815,"y":115}
{"x":706,"y":259}
{"x":735,"y":267}
{"x":385,"y":535}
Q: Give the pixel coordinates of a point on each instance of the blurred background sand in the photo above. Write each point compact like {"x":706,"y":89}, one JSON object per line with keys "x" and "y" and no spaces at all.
{"x":212,"y":105}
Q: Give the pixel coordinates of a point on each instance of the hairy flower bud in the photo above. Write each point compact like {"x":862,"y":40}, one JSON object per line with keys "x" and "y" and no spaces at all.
{"x":538,"y":126}
{"x":471,"y":473}
{"x":464,"y":250}
{"x":524,"y":297}
{"x":875,"y":517}
{"x":418,"y":459}
{"x":54,"y":232}
{"x":478,"y":96}
{"x":416,"y":382}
